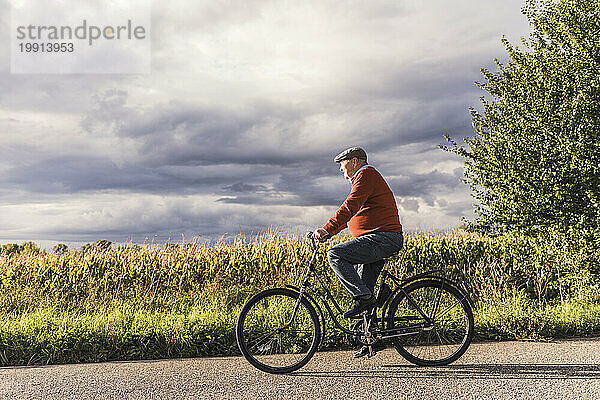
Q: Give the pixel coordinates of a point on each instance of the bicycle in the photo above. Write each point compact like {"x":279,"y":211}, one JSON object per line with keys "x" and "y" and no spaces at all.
{"x":427,"y":317}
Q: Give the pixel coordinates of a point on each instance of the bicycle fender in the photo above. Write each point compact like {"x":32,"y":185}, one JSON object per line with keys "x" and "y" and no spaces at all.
{"x":429,"y":275}
{"x":462,"y":290}
{"x":426,"y":274}
{"x":459,"y":287}
{"x":316,"y":305}
{"x":394,"y":294}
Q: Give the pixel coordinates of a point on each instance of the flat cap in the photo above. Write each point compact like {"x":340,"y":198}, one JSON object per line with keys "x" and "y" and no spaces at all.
{"x":350,"y":154}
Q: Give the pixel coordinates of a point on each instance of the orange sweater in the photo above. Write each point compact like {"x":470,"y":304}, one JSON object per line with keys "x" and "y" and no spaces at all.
{"x":370,"y":207}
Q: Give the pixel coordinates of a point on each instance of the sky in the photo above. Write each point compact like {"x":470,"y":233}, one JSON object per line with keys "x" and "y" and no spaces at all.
{"x":235,"y":128}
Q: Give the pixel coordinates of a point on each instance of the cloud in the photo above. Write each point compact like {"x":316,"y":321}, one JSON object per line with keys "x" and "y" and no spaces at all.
{"x":236,"y":127}
{"x":424,"y":185}
{"x":118,"y":216}
{"x":409,"y":204}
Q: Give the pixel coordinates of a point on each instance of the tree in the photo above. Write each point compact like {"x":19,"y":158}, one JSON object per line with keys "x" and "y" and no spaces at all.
{"x":100,"y":245}
{"x":14,"y":248}
{"x":11,"y":248}
{"x":533,"y":160}
{"x":60,"y":248}
{"x":30,"y":247}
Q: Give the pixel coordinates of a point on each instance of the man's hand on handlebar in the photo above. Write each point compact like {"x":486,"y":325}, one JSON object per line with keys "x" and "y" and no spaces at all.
{"x":322,"y":235}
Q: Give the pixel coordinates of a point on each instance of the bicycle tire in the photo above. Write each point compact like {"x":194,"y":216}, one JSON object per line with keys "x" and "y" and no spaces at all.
{"x":269,"y":311}
{"x":452,"y":330}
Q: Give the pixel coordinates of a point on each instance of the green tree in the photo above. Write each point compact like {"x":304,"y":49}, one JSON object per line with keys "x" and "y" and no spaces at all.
{"x":11,"y":248}
{"x":533,"y":160}
{"x":101,"y":245}
{"x":30,"y":247}
{"x":60,"y":248}
{"x":25,"y":247}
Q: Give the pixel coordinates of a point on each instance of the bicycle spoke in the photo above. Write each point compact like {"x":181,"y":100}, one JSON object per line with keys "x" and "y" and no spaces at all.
{"x":258,"y":340}
{"x":435,"y":304}
{"x":450,"y":307}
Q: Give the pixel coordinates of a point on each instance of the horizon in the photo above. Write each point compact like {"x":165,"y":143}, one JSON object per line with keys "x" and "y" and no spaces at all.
{"x":227,"y":238}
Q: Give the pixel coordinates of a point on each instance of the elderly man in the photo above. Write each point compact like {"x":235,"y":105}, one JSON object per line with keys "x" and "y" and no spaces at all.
{"x":371,"y":215}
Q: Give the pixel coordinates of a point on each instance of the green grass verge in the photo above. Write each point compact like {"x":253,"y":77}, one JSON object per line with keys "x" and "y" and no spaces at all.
{"x":53,"y":336}
{"x":123,"y":332}
{"x":520,"y":318}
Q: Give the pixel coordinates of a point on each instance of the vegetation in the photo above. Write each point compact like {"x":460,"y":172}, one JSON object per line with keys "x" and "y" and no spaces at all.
{"x":534,"y":158}
{"x":179,"y":300}
{"x":14,"y":248}
{"x":533,"y":164}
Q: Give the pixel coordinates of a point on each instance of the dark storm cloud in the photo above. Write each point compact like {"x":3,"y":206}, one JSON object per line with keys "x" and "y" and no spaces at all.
{"x":174,"y":142}
{"x":188,"y":134}
{"x":77,"y":174}
{"x":438,"y":95}
{"x":293,"y":186}
{"x":241,"y":187}
{"x":111,"y":116}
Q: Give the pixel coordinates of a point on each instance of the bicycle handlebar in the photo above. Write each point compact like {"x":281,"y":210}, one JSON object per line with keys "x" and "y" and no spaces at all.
{"x":313,"y":239}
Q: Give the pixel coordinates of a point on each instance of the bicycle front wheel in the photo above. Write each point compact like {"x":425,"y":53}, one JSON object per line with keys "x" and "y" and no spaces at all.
{"x":447,"y":334}
{"x":277,"y":332}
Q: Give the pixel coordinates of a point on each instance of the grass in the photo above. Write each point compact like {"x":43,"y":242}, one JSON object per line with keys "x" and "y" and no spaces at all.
{"x":520,"y":318}
{"x":121,"y":332}
{"x":52,"y":336}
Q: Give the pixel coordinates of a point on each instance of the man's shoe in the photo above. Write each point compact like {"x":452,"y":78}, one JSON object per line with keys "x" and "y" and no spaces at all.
{"x":360,"y":305}
{"x":364,"y":351}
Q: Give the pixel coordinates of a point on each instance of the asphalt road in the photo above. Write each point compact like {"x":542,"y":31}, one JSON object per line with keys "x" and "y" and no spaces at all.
{"x":509,"y":370}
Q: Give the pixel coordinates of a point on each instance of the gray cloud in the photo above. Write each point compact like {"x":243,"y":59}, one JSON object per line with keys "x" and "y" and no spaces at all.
{"x":302,"y":192}
{"x":424,"y":185}
{"x":236,"y":127}
{"x":182,"y":149}
{"x":410,"y":204}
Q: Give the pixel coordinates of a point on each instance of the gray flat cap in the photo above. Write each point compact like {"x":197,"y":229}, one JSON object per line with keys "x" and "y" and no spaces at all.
{"x":350,"y":154}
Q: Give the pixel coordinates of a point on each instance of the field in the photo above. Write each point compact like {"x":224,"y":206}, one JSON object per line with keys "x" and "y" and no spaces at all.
{"x":182,"y":299}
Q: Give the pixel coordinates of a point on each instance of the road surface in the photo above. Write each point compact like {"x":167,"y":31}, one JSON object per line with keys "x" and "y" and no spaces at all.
{"x":568,"y":369}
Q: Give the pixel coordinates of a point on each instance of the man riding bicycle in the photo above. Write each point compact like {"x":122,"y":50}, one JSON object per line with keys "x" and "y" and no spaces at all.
{"x":371,"y":215}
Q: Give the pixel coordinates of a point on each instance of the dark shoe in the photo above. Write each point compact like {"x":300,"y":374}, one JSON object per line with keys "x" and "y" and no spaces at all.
{"x":360,"y":305}
{"x":364,"y":351}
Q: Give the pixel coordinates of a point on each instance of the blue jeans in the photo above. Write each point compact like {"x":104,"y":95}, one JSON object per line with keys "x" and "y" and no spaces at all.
{"x":368,"y":251}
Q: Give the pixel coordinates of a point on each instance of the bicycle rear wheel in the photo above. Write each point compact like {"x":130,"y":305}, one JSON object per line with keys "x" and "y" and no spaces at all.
{"x":448,"y":335}
{"x":276,"y":333}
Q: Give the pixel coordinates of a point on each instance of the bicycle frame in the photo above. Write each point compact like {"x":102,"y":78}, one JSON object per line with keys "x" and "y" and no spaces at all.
{"x":335,"y":311}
